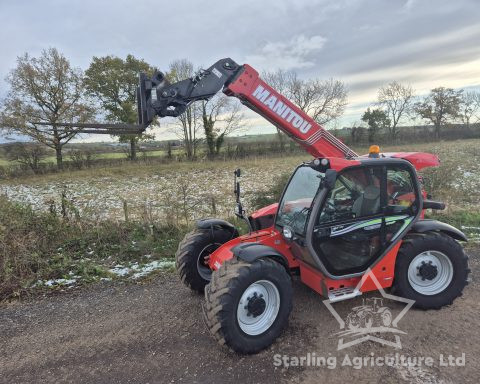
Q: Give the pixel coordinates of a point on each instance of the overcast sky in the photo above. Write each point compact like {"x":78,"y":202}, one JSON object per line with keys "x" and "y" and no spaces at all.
{"x":364,"y":43}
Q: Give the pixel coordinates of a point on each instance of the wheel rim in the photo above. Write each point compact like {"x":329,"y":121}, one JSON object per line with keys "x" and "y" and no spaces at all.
{"x":202,"y":266}
{"x":430,"y":272}
{"x":258,"y":307}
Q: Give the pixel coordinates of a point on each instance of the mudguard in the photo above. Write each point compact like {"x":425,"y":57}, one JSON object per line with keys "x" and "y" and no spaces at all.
{"x":212,"y":223}
{"x":435,"y":225}
{"x":252,"y":251}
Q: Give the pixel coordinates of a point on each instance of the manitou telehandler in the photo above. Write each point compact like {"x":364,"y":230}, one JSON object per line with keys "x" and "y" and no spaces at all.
{"x":340,"y":216}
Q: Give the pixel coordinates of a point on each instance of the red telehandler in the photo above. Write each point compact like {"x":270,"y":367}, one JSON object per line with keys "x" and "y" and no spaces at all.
{"x":341,"y":215}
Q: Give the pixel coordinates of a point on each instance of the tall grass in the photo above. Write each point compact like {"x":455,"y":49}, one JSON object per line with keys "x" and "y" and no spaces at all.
{"x":41,"y":246}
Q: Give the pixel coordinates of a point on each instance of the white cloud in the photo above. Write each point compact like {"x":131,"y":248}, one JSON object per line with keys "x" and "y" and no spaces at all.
{"x":295,"y":53}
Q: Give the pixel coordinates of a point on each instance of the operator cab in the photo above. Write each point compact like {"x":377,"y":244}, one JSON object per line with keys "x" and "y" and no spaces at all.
{"x":342,"y":222}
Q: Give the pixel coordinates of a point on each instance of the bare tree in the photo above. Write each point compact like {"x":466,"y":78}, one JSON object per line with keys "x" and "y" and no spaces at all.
{"x":396,"y":99}
{"x":280,"y":80}
{"x":48,"y":90}
{"x":323,"y":100}
{"x":439,"y":107}
{"x":221,"y":116}
{"x":187,"y":125}
{"x":27,"y":154}
{"x":469,"y":107}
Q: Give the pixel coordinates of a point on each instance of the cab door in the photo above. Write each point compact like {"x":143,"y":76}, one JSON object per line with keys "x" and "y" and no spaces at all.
{"x":369,"y":207}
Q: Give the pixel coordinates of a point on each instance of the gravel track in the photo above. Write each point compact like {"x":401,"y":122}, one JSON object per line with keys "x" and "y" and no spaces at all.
{"x":153,"y":333}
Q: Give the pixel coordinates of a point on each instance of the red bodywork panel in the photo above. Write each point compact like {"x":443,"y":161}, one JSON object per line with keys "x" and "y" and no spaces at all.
{"x":384,"y":270}
{"x":268,"y":210}
{"x":419,"y":160}
{"x":268,"y":236}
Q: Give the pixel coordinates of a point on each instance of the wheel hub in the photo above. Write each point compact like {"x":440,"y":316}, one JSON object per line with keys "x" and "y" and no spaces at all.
{"x":256,"y":305}
{"x":427,"y":271}
{"x":202,"y":261}
{"x":430,"y":272}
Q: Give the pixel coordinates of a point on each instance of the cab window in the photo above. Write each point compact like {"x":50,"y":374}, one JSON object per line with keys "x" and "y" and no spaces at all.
{"x":298,"y":198}
{"x":400,"y":190}
{"x":356,"y":194}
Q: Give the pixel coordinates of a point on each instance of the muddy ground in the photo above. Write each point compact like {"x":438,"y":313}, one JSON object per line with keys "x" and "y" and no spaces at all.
{"x":153,"y":333}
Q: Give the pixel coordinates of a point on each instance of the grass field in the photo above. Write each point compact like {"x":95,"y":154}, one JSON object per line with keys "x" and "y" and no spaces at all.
{"x":107,"y":155}
{"x":205,"y":188}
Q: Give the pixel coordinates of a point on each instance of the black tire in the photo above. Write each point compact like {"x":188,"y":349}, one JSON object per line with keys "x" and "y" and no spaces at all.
{"x":194,"y":245}
{"x":222,"y":298}
{"x":416,"y":243}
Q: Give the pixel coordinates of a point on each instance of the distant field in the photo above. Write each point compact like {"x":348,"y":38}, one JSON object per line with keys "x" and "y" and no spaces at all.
{"x":104,"y":151}
{"x":205,"y":188}
{"x":106,"y":155}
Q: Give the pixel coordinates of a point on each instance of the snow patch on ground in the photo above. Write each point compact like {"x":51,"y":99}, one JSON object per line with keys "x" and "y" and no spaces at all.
{"x":56,"y":282}
{"x":131,"y":271}
{"x":120,"y":270}
{"x":135,"y":270}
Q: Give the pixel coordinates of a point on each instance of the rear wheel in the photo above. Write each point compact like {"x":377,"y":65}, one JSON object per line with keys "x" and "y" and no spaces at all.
{"x":248,"y":304}
{"x":431,"y":268}
{"x":193,"y":254}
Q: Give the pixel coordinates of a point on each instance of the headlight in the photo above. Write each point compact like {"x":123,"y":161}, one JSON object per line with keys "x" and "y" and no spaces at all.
{"x":287,"y":233}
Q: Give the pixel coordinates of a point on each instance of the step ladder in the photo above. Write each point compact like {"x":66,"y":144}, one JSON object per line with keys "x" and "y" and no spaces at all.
{"x":341,"y":294}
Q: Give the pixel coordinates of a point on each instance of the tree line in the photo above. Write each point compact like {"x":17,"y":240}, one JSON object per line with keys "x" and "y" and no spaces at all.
{"x":397,"y":102}
{"x":47,"y":89}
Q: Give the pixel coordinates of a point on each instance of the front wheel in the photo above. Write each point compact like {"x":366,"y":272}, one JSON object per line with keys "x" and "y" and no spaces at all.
{"x":191,"y":259}
{"x":432,"y":269}
{"x":248,"y":304}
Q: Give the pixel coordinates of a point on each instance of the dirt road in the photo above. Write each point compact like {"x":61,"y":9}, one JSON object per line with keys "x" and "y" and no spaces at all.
{"x":153,"y":333}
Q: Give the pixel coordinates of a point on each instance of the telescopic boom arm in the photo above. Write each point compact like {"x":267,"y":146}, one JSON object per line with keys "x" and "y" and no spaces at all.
{"x":157,"y":97}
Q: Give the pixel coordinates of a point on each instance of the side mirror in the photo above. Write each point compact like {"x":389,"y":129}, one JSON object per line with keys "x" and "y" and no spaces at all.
{"x":330,"y":178}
